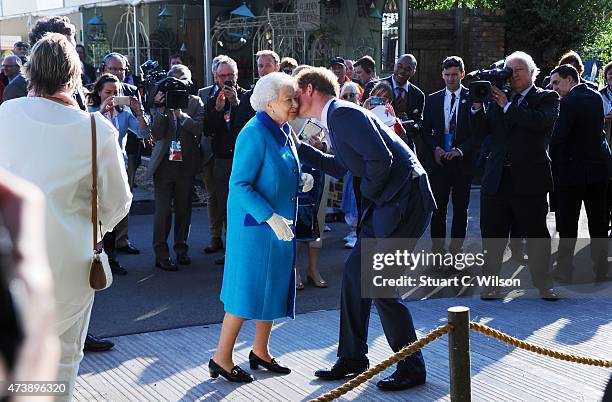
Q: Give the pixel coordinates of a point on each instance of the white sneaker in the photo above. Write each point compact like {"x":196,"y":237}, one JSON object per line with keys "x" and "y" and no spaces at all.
{"x":351,"y":243}
{"x":352,"y":235}
{"x":327,"y":228}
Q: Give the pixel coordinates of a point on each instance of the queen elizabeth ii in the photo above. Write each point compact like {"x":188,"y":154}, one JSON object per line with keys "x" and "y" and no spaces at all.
{"x":259,"y":275}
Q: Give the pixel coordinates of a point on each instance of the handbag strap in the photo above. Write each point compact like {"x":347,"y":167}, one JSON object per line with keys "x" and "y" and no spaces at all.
{"x":94,"y":177}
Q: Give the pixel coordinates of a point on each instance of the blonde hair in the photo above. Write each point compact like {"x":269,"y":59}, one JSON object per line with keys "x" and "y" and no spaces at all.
{"x":54,"y":64}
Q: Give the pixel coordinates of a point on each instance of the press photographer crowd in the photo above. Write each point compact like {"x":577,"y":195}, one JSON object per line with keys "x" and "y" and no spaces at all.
{"x":266,"y":157}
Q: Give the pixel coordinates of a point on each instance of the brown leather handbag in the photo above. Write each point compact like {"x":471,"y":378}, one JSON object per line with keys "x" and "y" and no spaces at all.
{"x":100,"y":275}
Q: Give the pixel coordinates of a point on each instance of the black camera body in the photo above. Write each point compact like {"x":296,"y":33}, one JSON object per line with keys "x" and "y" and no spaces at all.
{"x":481,"y":91}
{"x":176,"y":91}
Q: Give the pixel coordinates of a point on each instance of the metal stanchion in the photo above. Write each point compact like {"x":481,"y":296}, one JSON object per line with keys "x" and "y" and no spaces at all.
{"x":459,"y":354}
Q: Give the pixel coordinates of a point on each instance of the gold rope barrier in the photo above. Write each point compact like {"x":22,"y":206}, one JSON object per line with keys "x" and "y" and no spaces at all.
{"x":510,"y":340}
{"x":401,"y":355}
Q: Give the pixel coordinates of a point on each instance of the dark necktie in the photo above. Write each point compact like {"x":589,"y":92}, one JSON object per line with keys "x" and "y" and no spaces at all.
{"x":516,"y":98}
{"x":452,"y":124}
{"x":400,"y":103}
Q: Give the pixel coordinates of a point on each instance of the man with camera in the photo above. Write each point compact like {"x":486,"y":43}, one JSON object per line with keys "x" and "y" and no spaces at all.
{"x":580,"y":157}
{"x":448,"y":139}
{"x":116,"y":64}
{"x":517,"y":174}
{"x":220,"y":120}
{"x":177,"y":128}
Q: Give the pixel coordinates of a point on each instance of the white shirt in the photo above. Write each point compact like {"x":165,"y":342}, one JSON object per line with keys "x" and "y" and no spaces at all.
{"x":607,"y":100}
{"x":323,"y":118}
{"x":396,"y":86}
{"x":448,"y":112}
{"x":53,"y":151}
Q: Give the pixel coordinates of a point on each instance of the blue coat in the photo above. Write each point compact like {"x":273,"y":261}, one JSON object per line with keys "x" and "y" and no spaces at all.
{"x":259,"y":275}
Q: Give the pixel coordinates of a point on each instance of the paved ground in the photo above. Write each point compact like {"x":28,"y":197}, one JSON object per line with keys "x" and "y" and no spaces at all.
{"x":171,"y":365}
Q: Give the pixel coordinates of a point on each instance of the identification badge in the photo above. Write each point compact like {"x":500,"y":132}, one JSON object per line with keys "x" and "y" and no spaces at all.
{"x":176,"y":153}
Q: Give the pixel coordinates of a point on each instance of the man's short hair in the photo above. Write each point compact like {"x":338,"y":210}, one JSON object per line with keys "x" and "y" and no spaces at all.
{"x":453,"y":61}
{"x":366,"y":63}
{"x":269,"y":53}
{"x":54,"y":64}
{"x":527,"y":60}
{"x":574,"y":59}
{"x":114,"y":55}
{"x":229,"y":61}
{"x":215,"y":62}
{"x":180,"y":69}
{"x":57,"y":24}
{"x":14,"y":58}
{"x":321,"y":80}
{"x":566,"y":70}
{"x":607,"y":67}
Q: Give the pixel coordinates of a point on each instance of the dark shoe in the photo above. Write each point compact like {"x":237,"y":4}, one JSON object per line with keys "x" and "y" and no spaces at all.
{"x":183,"y":259}
{"x":129,"y":249}
{"x":236,"y":375}
{"x":343,"y":368}
{"x":214,"y":246}
{"x":93,"y":344}
{"x":256,"y":361}
{"x":317,"y":284}
{"x":494,"y":294}
{"x":166,"y":264}
{"x":116,"y":268}
{"x":549,"y":294}
{"x":398,"y":382}
{"x":220,"y":261}
{"x":519,"y":256}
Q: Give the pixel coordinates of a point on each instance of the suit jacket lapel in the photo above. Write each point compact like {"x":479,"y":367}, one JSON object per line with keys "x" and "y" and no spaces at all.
{"x":332,"y":107}
{"x":462,"y":108}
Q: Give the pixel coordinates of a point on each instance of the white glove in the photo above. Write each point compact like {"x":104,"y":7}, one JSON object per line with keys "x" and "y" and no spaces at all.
{"x":307,"y":182}
{"x":281,"y":227}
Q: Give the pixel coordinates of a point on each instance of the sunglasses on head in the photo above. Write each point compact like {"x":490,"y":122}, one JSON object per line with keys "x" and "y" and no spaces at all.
{"x":349,"y":95}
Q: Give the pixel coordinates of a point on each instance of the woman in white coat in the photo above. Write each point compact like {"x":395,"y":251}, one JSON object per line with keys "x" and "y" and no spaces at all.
{"x":46,"y":139}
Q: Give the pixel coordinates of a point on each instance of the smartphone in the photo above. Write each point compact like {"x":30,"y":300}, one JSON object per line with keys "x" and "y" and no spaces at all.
{"x":309,"y":129}
{"x":229,"y":84}
{"x":377,"y":100}
{"x":122,"y":100}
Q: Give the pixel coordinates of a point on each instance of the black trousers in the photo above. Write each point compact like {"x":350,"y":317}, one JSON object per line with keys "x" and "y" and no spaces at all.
{"x":450,"y":183}
{"x":394,"y":315}
{"x":499,"y":212}
{"x":570,"y":199}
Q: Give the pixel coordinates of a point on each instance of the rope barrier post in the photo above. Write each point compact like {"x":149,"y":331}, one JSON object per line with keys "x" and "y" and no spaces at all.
{"x":459,"y":354}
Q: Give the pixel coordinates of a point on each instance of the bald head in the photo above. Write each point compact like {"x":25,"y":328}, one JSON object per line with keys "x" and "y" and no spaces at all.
{"x":404,"y":69}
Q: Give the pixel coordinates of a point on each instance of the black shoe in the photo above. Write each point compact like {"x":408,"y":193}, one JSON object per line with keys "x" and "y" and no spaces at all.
{"x":214,"y":246}
{"x":398,"y":382}
{"x":129,"y":249}
{"x":236,"y":375}
{"x":549,"y":294}
{"x":494,"y":294}
{"x":220,"y":261}
{"x":116,"y":268}
{"x":183,"y":259}
{"x":256,"y":361}
{"x":343,"y":368}
{"x":93,"y":344}
{"x":166,"y":264}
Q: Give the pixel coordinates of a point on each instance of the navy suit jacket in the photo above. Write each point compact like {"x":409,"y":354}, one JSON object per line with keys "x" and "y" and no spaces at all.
{"x":371,"y":150}
{"x":578,"y":148}
{"x":434,"y":128}
{"x":18,"y":88}
{"x":521,"y":135}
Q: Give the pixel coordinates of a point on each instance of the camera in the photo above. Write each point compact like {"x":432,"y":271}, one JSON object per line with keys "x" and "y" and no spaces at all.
{"x":480,"y":90}
{"x":176,"y":91}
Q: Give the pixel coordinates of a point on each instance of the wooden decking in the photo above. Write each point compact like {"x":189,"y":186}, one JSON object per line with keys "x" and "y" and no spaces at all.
{"x":172,"y":365}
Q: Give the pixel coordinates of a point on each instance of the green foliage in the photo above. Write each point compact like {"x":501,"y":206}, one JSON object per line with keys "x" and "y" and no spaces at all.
{"x":449,"y":4}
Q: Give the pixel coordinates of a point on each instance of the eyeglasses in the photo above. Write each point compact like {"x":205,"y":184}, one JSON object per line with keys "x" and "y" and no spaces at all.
{"x":115,"y":70}
{"x":349,"y":95}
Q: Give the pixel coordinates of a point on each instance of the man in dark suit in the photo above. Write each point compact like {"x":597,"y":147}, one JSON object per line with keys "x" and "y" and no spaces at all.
{"x":409,"y":100}
{"x":397,"y":202}
{"x":219,"y":120}
{"x":17,"y":86}
{"x":116,"y":64}
{"x":517,"y":174}
{"x":580,"y":157}
{"x":449,"y":141}
{"x":365,"y":74}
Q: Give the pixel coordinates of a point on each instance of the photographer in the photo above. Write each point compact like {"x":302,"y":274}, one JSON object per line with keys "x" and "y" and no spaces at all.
{"x":220,"y":121}
{"x":517,"y":174}
{"x":174,"y":163}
